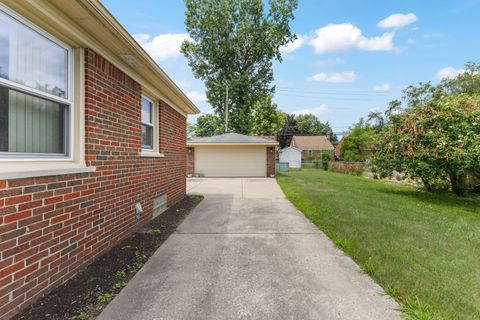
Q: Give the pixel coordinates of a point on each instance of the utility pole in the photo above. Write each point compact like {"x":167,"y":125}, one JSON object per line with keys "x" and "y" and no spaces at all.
{"x":226,"y":108}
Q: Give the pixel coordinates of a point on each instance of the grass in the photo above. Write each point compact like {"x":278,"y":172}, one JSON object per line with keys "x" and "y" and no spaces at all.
{"x":422,"y":248}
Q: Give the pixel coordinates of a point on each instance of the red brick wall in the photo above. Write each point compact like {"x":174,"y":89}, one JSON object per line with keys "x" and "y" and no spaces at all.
{"x":271,"y":161}
{"x":51,"y":227}
{"x":317,"y":154}
{"x":191,"y":161}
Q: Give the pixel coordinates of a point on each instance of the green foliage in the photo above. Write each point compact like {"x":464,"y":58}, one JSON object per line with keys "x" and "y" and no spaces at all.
{"x":233,"y":43}
{"x":156,"y":232}
{"x":267,"y":119}
{"x":435,"y":137}
{"x":208,"y":125}
{"x":369,"y":267}
{"x":81,"y":316}
{"x":119,"y":285}
{"x":359,"y":144}
{"x":326,"y":158}
{"x":288,"y":131}
{"x":343,"y":244}
{"x":190,"y":130}
{"x":414,"y":309}
{"x":305,"y":124}
{"x":104,"y":297}
{"x":309,"y":124}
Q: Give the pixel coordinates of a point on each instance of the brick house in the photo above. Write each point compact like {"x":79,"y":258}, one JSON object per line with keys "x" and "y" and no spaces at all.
{"x":90,"y":126}
{"x":312,"y":146}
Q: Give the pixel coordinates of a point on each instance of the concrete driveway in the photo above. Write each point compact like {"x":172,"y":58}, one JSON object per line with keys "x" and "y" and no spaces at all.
{"x":247,"y":253}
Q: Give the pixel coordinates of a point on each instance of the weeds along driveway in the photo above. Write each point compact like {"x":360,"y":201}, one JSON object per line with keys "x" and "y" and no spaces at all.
{"x":247,"y":253}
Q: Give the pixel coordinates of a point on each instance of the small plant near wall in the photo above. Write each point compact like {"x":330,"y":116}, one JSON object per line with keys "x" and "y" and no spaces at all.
{"x":326,"y":158}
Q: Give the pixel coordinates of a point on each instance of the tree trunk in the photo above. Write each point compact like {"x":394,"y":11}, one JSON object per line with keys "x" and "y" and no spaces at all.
{"x":458,"y":183}
{"x":427,"y":185}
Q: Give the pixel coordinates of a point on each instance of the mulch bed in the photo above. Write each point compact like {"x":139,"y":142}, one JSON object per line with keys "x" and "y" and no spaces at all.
{"x":86,"y":295}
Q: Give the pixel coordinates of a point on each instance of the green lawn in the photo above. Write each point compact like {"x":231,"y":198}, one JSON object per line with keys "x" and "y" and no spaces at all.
{"x":423,"y":249}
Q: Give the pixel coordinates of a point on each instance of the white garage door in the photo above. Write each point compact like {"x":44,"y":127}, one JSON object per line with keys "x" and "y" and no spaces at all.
{"x":231,"y":161}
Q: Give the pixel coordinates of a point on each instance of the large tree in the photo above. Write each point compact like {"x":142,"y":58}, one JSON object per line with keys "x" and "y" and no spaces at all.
{"x":359,"y":143}
{"x":267,"y":119}
{"x":309,"y":124}
{"x":207,"y":125}
{"x":233,"y":43}
{"x":288,"y":131}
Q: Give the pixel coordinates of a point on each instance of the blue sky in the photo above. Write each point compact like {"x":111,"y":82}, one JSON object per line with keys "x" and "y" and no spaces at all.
{"x":351,"y":57}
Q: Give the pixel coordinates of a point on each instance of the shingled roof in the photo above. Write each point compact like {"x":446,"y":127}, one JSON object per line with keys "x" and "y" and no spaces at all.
{"x":311,"y":143}
{"x":231,"y":138}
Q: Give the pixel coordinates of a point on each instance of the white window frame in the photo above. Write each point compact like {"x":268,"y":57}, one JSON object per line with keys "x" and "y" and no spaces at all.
{"x":149,"y":124}
{"x":155,"y":150}
{"x":69,"y":101}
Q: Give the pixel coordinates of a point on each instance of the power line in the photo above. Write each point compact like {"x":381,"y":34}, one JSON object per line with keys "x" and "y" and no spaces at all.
{"x":342,"y":91}
{"x":323,"y":97}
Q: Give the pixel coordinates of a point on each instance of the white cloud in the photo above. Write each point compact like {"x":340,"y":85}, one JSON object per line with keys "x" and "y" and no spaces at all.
{"x":318,"y":111}
{"x":346,"y":36}
{"x":197,"y":97}
{"x":163,"y":46}
{"x":448,"y":73}
{"x":397,"y":20}
{"x":294,"y":45}
{"x":411,"y":40}
{"x":335,"y":77}
{"x":382,"y":87}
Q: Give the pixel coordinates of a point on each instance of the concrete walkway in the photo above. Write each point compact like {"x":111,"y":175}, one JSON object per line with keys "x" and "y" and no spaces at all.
{"x":247,"y":253}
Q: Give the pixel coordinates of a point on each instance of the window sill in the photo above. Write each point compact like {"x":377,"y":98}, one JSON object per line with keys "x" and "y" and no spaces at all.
{"x":151,"y":154}
{"x":20,"y":173}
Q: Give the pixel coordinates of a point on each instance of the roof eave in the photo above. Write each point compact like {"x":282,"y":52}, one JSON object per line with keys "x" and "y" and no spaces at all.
{"x":105,"y":16}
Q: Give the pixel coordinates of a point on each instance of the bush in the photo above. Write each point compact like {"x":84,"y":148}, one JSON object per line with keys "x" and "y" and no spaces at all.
{"x":326,"y":158}
{"x":353,"y":168}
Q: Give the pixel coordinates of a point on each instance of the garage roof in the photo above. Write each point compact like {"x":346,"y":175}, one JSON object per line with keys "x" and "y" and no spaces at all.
{"x":231,"y":139}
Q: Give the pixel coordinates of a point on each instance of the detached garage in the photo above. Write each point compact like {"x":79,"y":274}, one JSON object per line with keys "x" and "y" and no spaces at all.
{"x":231,"y":155}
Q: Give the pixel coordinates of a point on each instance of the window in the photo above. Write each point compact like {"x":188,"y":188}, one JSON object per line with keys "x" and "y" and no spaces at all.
{"x":148,"y":126}
{"x":35,"y":94}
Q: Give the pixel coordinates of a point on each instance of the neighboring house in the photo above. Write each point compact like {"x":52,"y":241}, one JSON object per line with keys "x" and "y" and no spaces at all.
{"x":291,"y":155}
{"x":338,"y":148}
{"x":231,"y":155}
{"x":311,"y":146}
{"x":90,"y":126}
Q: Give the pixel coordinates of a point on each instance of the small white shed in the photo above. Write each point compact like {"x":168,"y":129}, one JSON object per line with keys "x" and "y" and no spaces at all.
{"x":291,"y":155}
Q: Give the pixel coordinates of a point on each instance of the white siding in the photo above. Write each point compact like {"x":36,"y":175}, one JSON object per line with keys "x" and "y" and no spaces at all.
{"x":292,"y":156}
